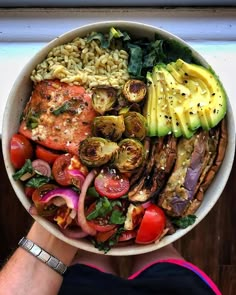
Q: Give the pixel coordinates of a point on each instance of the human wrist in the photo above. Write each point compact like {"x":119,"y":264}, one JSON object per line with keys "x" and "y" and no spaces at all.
{"x":56,"y":247}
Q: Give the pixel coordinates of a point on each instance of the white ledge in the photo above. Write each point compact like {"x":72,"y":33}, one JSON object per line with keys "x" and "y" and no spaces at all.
{"x":37,"y":24}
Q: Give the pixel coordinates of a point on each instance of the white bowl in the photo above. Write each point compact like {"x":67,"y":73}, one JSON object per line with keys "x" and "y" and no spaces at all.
{"x":20,"y":93}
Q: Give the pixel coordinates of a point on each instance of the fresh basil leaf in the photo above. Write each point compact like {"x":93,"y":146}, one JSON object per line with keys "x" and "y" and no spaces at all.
{"x":117,"y":217}
{"x":92,"y":192}
{"x":37,"y":181}
{"x":103,"y":207}
{"x":27,"y":168}
{"x":185,"y":221}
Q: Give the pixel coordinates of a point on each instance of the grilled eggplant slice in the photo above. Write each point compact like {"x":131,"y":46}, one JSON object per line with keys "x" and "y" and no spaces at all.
{"x":198,"y":159}
{"x":220,"y":135}
{"x":158,"y":166}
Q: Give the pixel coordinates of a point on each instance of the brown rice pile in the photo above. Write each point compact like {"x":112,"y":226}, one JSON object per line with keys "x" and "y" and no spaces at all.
{"x":83,"y":63}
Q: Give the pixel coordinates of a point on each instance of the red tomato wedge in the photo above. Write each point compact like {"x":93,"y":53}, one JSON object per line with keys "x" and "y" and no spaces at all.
{"x":111,"y":184}
{"x":20,"y":150}
{"x":45,"y":154}
{"x":152,"y":225}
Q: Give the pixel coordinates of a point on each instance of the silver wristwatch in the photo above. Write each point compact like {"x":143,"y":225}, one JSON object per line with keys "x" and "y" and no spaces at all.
{"x":43,"y":255}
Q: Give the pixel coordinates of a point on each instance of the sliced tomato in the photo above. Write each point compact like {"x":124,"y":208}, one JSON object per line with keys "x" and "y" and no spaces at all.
{"x":100,"y":224}
{"x":29,"y":191}
{"x":111,"y":184}
{"x":104,"y":236}
{"x":44,"y":209}
{"x":127,"y":235}
{"x":68,"y":170}
{"x":20,"y":150}
{"x":46,"y":154}
{"x":152,"y":225}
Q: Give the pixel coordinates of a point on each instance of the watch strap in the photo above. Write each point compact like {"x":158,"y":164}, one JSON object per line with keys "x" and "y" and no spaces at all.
{"x":43,"y":255}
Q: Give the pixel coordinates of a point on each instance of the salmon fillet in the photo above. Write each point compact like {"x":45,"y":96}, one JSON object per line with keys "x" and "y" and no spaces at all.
{"x":58,"y":115}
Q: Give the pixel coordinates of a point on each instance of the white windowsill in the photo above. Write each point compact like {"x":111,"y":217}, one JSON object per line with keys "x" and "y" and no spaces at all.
{"x":211,"y":31}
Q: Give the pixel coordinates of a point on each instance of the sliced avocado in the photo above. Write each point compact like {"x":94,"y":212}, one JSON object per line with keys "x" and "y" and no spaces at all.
{"x":163,"y":121}
{"x":213,"y":102}
{"x":183,"y":97}
{"x":150,"y":108}
{"x":171,"y":100}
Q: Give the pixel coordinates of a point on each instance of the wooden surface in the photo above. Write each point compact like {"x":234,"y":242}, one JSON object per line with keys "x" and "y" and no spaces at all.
{"x":211,"y":245}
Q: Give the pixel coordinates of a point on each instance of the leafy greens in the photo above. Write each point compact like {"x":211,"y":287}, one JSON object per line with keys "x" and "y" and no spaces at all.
{"x":143,"y":53}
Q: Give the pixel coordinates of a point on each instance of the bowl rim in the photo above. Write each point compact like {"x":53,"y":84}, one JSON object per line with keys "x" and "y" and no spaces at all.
{"x":22,"y":78}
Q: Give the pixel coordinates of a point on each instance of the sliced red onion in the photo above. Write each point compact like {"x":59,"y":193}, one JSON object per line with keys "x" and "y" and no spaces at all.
{"x":70,"y":197}
{"x":78,"y":177}
{"x":77,"y":233}
{"x":42,"y":167}
{"x":82,"y":221}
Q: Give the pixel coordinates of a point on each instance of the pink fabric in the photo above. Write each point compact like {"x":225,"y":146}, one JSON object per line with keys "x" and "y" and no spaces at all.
{"x":187,"y":265}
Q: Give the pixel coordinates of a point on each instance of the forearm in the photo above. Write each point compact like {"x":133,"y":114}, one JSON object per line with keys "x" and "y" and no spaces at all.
{"x":25,"y":274}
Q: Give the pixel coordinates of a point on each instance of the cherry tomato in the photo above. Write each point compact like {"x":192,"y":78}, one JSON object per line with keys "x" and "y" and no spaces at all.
{"x":68,"y":170}
{"x":111,"y":184}
{"x":100,"y":224}
{"x":43,"y":209}
{"x":29,"y":191}
{"x":20,"y":150}
{"x":46,"y":154}
{"x":152,"y":225}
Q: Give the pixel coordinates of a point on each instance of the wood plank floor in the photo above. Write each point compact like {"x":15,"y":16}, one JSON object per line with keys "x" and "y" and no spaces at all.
{"x":211,"y":245}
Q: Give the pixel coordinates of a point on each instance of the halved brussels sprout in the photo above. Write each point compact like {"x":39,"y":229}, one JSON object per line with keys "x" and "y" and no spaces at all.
{"x":135,"y":125}
{"x":134,"y":90}
{"x":130,"y":155}
{"x":109,"y":127}
{"x":103,"y":98}
{"x":96,"y":151}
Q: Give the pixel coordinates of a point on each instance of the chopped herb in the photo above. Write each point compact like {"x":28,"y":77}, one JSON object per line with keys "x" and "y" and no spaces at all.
{"x":185,"y":221}
{"x":103,"y":208}
{"x":37,"y":181}
{"x":27,"y":168}
{"x":117,"y":217}
{"x":32,"y":119}
{"x":62,"y":109}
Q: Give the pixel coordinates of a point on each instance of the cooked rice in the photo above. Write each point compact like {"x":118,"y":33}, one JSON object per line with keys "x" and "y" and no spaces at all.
{"x":82,"y":63}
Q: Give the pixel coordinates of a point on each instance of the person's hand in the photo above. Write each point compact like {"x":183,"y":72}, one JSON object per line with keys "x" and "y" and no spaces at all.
{"x":63,"y":251}
{"x":26,"y":274}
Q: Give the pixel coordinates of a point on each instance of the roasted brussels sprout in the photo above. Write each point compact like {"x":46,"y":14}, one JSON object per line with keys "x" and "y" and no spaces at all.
{"x":130,"y":155}
{"x":103,"y":98}
{"x":135,"y":125}
{"x":109,"y":127}
{"x":96,"y":151}
{"x":134,"y":90}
